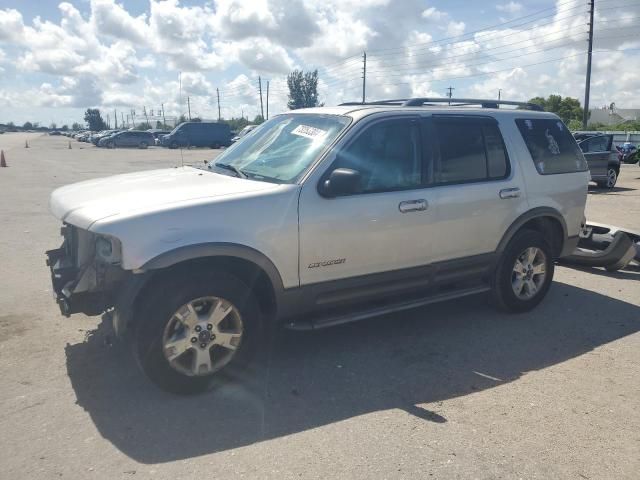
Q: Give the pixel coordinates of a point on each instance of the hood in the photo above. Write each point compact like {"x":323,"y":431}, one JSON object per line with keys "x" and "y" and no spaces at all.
{"x":82,"y":204}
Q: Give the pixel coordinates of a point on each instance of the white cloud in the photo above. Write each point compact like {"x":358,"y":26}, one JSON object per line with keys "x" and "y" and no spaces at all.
{"x":105,"y":55}
{"x":511,"y":7}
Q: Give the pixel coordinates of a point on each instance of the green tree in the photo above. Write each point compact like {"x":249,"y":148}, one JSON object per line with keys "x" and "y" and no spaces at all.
{"x":574,"y":125}
{"x":53,"y":126}
{"x":236,"y":124}
{"x":257,"y":120}
{"x":94,"y":120}
{"x":196,"y":119}
{"x":566,"y":108}
{"x":303,"y":89}
{"x":76,"y":126}
{"x":28,"y":126}
{"x":64,"y":128}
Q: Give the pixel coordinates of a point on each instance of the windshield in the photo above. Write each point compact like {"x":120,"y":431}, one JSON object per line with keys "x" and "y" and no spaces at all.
{"x":282,"y":148}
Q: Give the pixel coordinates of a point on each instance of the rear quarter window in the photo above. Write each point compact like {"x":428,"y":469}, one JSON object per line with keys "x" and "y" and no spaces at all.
{"x":551,"y":145}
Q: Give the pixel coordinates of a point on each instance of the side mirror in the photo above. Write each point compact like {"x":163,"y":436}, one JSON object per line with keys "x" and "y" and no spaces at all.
{"x":342,"y":181}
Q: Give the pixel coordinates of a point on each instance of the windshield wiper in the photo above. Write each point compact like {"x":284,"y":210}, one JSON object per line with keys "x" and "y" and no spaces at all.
{"x":235,"y":170}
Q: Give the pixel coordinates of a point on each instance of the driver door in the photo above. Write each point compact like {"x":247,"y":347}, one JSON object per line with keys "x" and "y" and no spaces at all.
{"x":387,"y":225}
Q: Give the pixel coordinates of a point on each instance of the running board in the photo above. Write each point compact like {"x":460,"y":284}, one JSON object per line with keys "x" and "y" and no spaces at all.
{"x":339,"y":319}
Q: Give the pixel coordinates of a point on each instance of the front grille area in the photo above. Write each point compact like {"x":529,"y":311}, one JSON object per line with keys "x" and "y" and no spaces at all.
{"x":70,"y":245}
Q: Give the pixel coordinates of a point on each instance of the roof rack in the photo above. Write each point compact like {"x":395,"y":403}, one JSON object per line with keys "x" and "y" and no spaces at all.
{"x":454,"y":102}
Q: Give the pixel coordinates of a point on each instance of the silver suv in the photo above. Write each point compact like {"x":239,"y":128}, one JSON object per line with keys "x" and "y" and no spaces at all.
{"x":320,"y":217}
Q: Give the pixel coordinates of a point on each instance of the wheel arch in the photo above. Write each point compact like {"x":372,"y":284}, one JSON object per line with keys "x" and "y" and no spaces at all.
{"x":251,"y":266}
{"x":546,"y":220}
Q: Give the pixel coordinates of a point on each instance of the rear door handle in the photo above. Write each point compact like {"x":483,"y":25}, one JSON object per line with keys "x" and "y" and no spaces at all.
{"x":509,"y":193}
{"x":413,"y":205}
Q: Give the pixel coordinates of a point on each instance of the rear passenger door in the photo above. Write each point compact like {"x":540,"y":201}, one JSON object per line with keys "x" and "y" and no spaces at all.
{"x":478,"y":192}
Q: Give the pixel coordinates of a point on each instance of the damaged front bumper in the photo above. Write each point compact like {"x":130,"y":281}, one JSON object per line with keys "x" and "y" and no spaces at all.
{"x":80,"y":284}
{"x":607,"y":246}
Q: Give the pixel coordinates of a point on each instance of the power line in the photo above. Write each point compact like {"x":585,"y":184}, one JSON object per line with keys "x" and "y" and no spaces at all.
{"x":398,"y":66}
{"x":514,"y":67}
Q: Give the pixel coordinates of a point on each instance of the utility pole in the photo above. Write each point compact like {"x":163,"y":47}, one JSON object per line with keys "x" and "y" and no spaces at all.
{"x":122,"y":117}
{"x":218,"y":94}
{"x":587,"y":87}
{"x":189,"y":107}
{"x":164,"y":122}
{"x":133,"y":118}
{"x":260,"y":89}
{"x":115,"y":117}
{"x":499,"y":93}
{"x":144,"y":110}
{"x":364,"y":75}
{"x":267,"y":100}
{"x":450,"y":93}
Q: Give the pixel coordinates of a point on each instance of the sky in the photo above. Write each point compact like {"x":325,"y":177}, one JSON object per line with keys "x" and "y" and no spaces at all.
{"x":59,"y":58}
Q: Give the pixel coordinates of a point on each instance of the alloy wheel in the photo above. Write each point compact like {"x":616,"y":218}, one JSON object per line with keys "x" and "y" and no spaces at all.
{"x":529,"y":273}
{"x":202,"y":336}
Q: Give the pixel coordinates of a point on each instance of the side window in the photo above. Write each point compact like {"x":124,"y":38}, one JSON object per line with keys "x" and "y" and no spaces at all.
{"x":551,"y":146}
{"x":387,"y":155}
{"x":470,"y":150}
{"x":595,"y":144}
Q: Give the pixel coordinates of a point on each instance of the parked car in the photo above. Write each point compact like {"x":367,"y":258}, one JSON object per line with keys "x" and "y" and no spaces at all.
{"x":54,"y":132}
{"x":246,"y":130}
{"x":602,"y":159}
{"x":627,"y":153}
{"x":322,"y":216}
{"x":129,"y":138}
{"x":198,"y":134}
{"x":156,"y":132}
{"x":104,"y":133}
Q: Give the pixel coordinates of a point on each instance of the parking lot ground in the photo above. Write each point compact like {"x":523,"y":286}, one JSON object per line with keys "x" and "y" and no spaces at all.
{"x":453,"y":390}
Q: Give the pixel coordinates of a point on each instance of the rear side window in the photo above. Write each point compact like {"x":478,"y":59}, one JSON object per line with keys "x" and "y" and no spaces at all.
{"x":471,"y":150}
{"x":595,"y":144}
{"x":551,"y":146}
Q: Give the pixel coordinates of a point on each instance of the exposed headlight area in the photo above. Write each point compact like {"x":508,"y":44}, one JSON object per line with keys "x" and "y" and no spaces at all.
{"x":108,"y":250}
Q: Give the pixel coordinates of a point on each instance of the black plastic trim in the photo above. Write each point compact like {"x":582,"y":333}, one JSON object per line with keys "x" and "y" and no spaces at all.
{"x":216,"y":249}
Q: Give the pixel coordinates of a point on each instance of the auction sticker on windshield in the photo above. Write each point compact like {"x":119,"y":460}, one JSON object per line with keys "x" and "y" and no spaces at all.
{"x":309,"y":132}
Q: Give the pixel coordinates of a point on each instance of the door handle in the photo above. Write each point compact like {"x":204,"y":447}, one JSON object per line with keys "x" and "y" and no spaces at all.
{"x":413,"y":205}
{"x":509,"y":193}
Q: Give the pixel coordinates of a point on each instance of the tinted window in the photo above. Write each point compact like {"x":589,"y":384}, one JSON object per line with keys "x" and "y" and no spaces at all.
{"x":470,"y":150}
{"x":387,"y":155}
{"x":551,"y":146}
{"x":595,"y":144}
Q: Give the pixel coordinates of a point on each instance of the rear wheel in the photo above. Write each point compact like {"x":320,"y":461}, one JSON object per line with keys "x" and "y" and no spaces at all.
{"x":143,"y":145}
{"x":612,"y":179}
{"x":195,"y":329}
{"x":173,"y":144}
{"x":524,"y":273}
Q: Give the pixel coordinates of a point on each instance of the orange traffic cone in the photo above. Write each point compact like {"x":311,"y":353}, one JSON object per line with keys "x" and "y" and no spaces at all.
{"x":26,"y":144}
{"x":3,"y":162}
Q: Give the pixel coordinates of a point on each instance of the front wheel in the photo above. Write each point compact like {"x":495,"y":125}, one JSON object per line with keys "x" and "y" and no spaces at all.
{"x":143,"y":145}
{"x":524,"y":273}
{"x":195,"y":328}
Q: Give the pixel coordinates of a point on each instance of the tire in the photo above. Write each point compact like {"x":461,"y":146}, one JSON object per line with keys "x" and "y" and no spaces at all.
{"x":612,"y":179}
{"x":215,"y":146}
{"x":143,"y":145}
{"x":173,"y":145}
{"x":504,"y":285}
{"x":158,"y":323}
